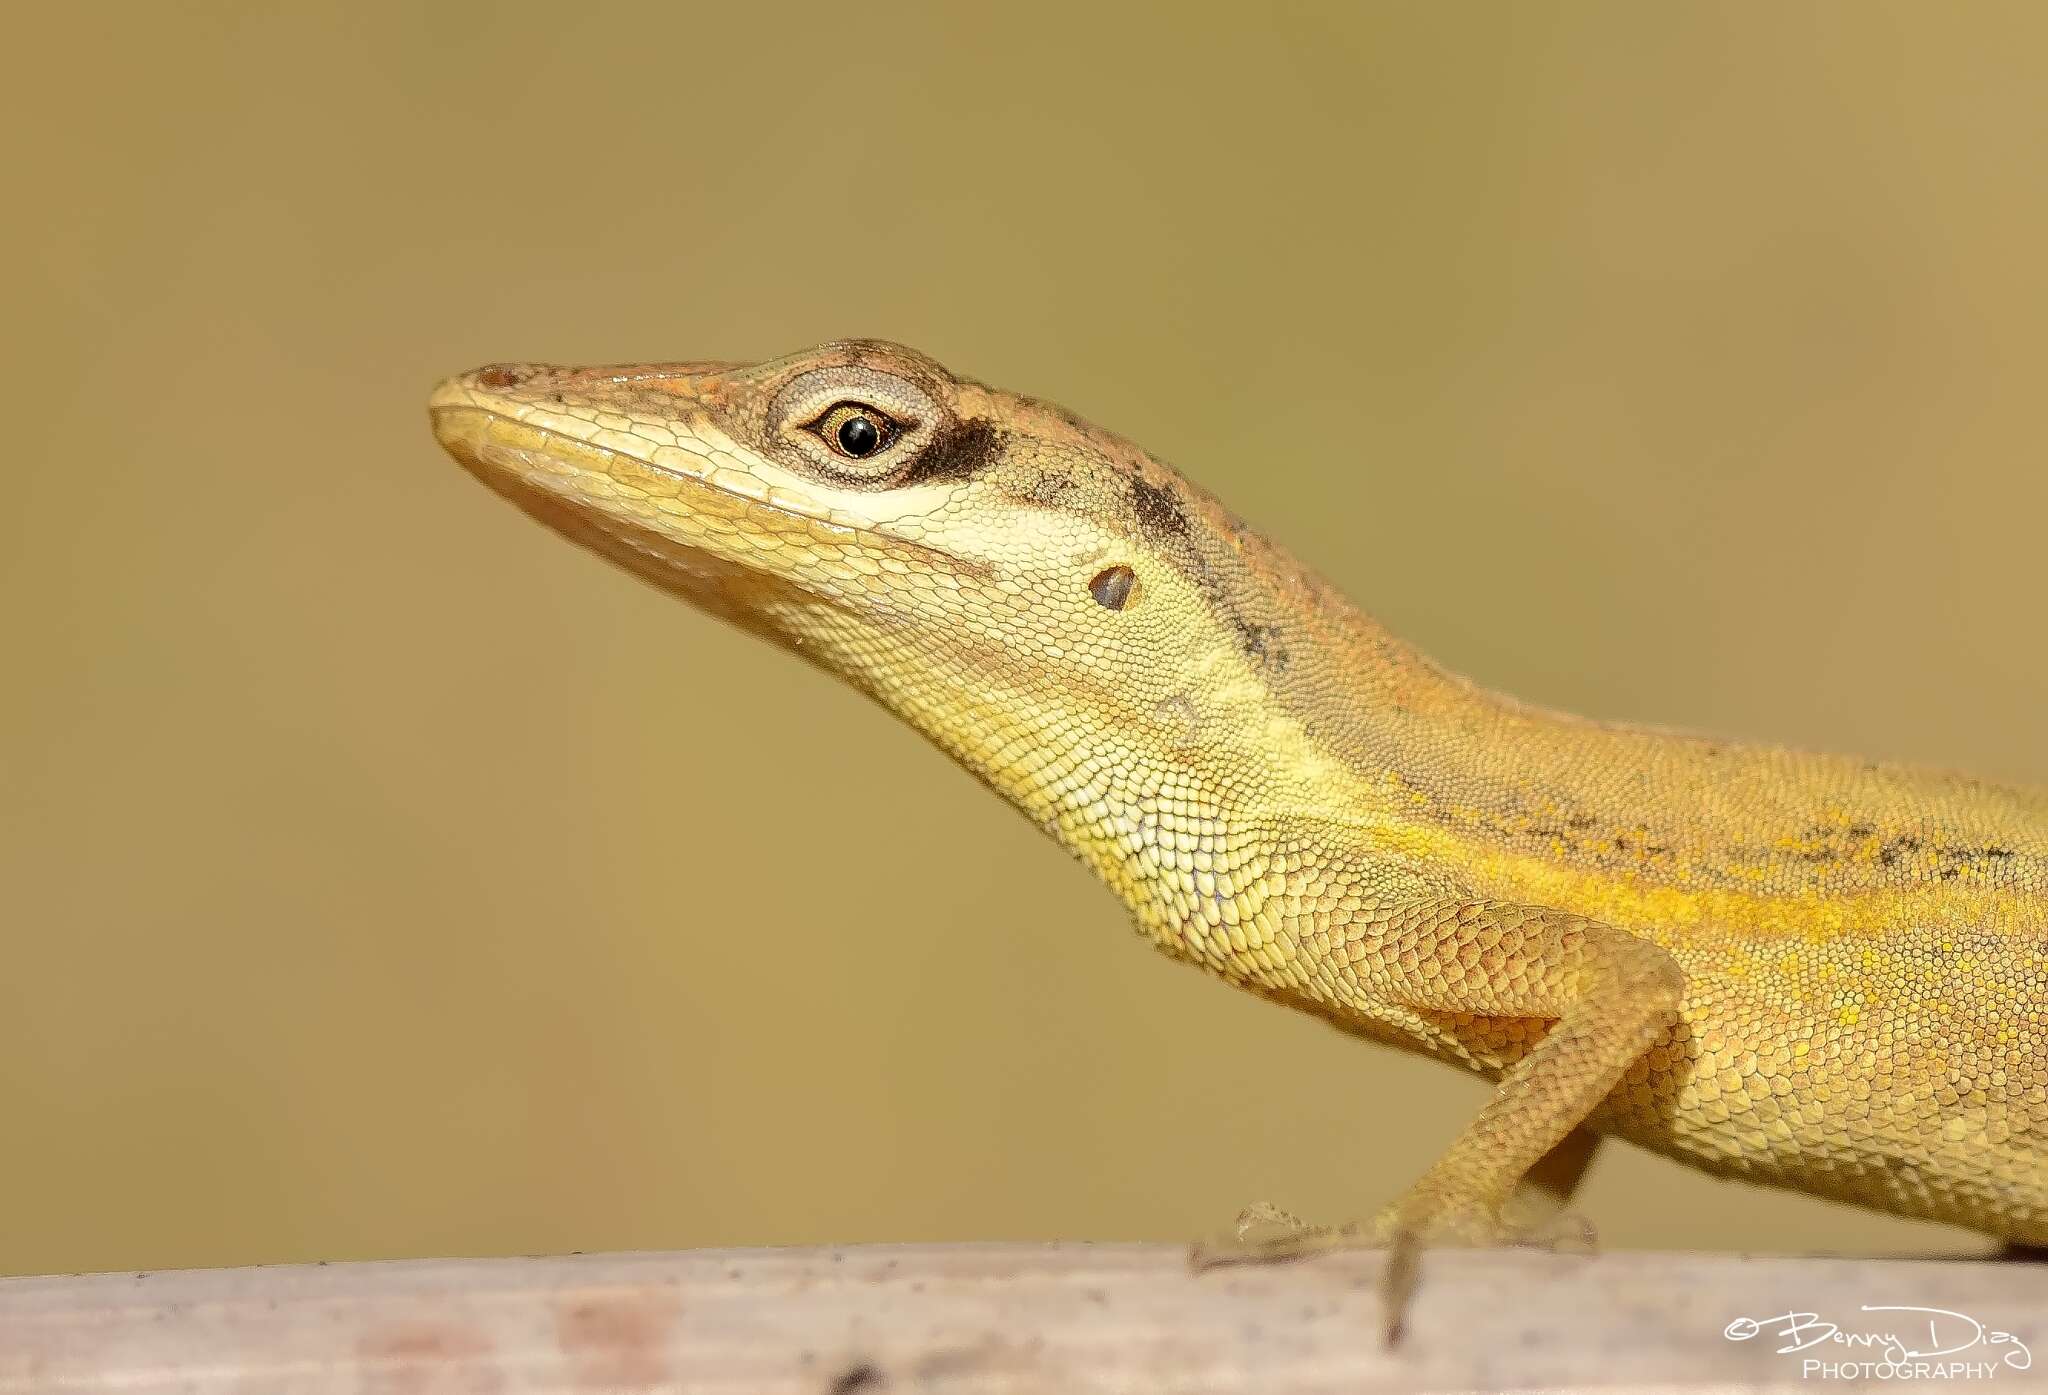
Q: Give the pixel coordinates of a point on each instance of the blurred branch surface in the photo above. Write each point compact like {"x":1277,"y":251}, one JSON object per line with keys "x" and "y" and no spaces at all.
{"x":987,"y":1318}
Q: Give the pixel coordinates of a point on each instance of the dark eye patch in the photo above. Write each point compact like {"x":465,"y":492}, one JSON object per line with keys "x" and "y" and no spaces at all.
{"x":962,"y":450}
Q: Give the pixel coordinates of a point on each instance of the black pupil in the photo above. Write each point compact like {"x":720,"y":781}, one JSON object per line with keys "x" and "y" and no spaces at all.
{"x":858,"y":436}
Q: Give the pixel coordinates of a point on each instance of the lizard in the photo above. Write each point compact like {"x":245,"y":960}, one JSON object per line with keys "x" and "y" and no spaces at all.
{"x":1804,"y":970}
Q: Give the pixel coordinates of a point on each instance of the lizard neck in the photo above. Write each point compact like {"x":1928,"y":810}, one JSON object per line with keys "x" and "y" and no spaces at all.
{"x":1183,"y":780}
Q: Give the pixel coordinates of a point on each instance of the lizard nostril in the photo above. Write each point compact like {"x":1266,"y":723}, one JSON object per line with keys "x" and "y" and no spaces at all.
{"x":500,"y":375}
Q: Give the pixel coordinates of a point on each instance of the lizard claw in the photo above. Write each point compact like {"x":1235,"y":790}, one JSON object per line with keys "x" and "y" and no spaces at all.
{"x":1264,"y":1234}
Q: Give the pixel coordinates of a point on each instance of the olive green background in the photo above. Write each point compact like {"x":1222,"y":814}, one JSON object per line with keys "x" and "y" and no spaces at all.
{"x":383,"y":876}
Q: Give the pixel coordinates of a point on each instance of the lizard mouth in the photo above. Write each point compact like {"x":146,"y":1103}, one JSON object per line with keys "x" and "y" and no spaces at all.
{"x":677,"y":516}
{"x":502,"y":449}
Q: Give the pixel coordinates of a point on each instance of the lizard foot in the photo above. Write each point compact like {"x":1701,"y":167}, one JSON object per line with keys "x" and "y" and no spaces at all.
{"x":1265,"y":1234}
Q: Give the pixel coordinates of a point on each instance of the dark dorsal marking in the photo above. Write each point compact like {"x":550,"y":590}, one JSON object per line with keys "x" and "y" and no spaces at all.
{"x":1263,"y":644}
{"x":1049,"y":489}
{"x":1164,"y":518}
{"x":1159,"y":510}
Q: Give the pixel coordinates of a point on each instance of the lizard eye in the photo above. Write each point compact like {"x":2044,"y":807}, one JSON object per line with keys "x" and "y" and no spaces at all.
{"x":855,"y":430}
{"x":855,"y":427}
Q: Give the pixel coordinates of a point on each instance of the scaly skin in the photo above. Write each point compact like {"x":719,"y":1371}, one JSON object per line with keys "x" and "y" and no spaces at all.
{"x":1808,"y":971}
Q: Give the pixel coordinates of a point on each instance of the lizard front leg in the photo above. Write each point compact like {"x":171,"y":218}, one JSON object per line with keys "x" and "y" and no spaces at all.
{"x":1608,"y":997}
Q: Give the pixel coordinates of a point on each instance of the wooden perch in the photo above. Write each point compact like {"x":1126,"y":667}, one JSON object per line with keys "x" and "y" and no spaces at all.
{"x":997,"y":1318}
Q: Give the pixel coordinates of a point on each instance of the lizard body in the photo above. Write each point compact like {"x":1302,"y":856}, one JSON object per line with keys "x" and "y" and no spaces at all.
{"x":1808,"y":971}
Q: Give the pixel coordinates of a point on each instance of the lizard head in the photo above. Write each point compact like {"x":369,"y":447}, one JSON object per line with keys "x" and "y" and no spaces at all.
{"x":1002,"y":574}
